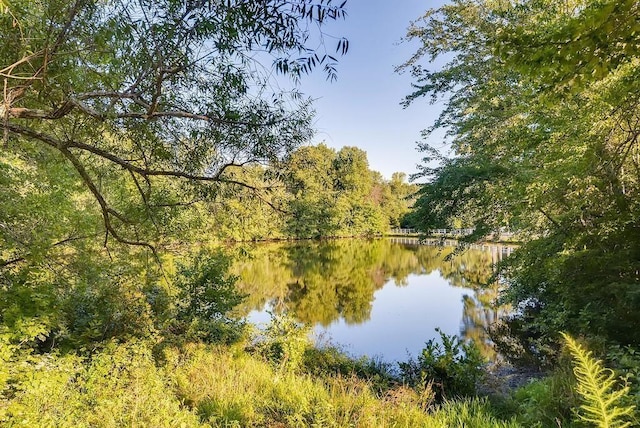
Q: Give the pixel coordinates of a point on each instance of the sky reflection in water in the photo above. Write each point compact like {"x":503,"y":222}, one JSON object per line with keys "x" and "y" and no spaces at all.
{"x":375,"y":298}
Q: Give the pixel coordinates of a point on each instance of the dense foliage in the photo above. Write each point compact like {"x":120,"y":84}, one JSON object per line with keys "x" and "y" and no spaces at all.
{"x":118,"y":117}
{"x":449,"y":367}
{"x":198,"y":386}
{"x":315,"y":192}
{"x":134,"y":128}
{"x":151,"y":105}
{"x":130,"y":129}
{"x":542,"y":119}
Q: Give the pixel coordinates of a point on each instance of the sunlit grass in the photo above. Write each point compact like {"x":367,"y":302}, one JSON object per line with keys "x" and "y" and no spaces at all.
{"x":240,"y":389}
{"x":204,"y":386}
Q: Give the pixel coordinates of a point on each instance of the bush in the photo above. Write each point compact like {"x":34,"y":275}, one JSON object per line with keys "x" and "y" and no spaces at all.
{"x":545,"y":402}
{"x":331,"y":361}
{"x":626,"y":363}
{"x":119,"y":386}
{"x":451,"y":367}
{"x":206,"y":295}
{"x":284,"y":341}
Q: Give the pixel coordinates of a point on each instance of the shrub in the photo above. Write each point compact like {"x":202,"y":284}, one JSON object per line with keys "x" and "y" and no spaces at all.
{"x":451,"y":367}
{"x":330,"y":362}
{"x":285,"y":341}
{"x":206,"y":295}
{"x":626,"y":362}
{"x":119,"y":386}
{"x":546,"y":402}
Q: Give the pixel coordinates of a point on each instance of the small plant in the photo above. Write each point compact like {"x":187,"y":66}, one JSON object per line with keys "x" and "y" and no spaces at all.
{"x":602,"y":403}
{"x":452,"y":367}
{"x":285,"y":341}
{"x":626,"y":362}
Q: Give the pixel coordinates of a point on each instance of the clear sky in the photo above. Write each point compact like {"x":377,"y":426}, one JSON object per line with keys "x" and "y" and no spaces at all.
{"x":362,"y":108}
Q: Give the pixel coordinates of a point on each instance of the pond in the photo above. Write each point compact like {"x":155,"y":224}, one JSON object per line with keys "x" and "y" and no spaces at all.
{"x":382,"y":298}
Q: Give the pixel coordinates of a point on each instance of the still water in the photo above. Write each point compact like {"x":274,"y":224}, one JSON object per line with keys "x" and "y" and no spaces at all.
{"x":382,"y":298}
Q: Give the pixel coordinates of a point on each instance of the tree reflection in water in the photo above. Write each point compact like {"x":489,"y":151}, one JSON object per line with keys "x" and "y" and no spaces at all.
{"x":321,"y":282}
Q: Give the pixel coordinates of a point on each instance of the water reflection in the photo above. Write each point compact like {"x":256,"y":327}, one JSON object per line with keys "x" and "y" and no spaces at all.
{"x":334,"y":282}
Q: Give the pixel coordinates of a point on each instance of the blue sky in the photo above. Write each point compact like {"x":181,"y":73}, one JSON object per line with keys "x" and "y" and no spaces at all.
{"x":362,"y":108}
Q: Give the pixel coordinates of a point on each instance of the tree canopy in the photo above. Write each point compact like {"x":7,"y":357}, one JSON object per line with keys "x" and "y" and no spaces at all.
{"x":150,"y":103}
{"x":334,"y":193}
{"x":125,"y":125}
{"x":542,"y":120}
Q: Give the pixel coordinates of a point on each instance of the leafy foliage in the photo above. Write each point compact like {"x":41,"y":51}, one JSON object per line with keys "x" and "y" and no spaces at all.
{"x":206,"y":296}
{"x":150,"y":106}
{"x":542,"y":123}
{"x":336,"y":194}
{"x":546,"y":402}
{"x":330,"y":361}
{"x":121,"y":385}
{"x":285,"y":341}
{"x":117,"y":118}
{"x":451,"y":367}
{"x":205,"y":289}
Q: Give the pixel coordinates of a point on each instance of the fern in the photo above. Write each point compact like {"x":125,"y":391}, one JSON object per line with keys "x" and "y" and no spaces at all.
{"x":595,"y":384}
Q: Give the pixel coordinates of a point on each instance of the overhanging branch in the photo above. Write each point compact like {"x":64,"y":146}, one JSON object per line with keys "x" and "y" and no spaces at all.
{"x":19,"y":259}
{"x":150,"y":114}
{"x":108,"y":213}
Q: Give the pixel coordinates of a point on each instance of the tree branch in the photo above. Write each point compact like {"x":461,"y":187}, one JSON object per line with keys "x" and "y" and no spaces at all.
{"x":108,"y":212}
{"x":150,"y":114}
{"x":551,"y":219}
{"x":23,"y":258}
{"x":145,"y":172}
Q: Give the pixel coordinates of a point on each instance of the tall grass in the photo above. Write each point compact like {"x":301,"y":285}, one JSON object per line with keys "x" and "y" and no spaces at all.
{"x":241,"y":390}
{"x":121,"y":386}
{"x":206,"y":386}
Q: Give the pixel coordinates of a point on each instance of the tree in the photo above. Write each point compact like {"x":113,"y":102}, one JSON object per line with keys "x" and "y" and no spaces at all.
{"x":542,"y":120}
{"x":353,"y":182}
{"x":123,"y":123}
{"x":398,"y":198}
{"x":312,"y":207}
{"x":159,"y":100}
{"x":334,"y":193}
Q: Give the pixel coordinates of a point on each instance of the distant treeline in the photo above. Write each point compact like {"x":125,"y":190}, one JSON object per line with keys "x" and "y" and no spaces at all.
{"x":315,"y":192}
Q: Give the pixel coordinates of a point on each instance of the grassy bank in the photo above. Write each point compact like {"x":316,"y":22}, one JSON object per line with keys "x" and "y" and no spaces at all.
{"x":281,"y":381}
{"x":130,"y":384}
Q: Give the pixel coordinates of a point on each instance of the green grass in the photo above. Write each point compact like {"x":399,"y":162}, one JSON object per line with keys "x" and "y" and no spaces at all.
{"x":141,"y":384}
{"x":120,"y":386}
{"x":206,"y":386}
